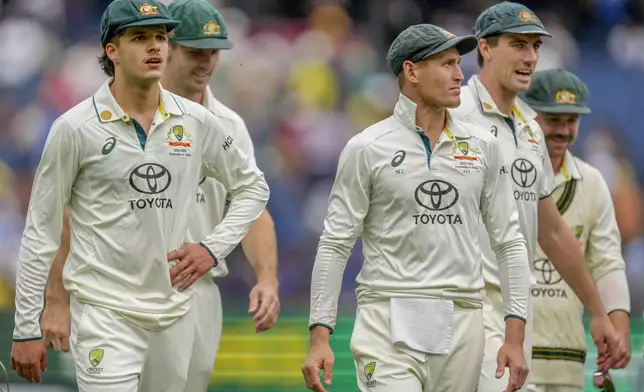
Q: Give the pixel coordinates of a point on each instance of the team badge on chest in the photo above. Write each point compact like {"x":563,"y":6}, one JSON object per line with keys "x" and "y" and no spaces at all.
{"x":179,"y":141}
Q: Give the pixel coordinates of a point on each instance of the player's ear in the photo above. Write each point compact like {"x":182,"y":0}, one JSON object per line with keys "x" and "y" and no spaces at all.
{"x":484,"y":49}
{"x":112,"y":52}
{"x":410,"y":71}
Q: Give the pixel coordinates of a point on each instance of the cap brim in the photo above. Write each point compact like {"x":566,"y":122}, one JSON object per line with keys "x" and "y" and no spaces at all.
{"x":463,"y":45}
{"x":526,"y":29}
{"x":560,"y":109}
{"x":206,"y":43}
{"x":170,"y":24}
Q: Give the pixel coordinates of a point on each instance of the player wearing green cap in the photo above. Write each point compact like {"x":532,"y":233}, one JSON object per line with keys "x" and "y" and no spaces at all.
{"x":127,"y":161}
{"x":413,"y":186}
{"x":193,"y":55}
{"x":510,"y":36}
{"x":584,"y":201}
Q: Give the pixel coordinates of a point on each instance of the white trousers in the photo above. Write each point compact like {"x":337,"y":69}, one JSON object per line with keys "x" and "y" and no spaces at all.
{"x":197,"y":346}
{"x":113,"y":354}
{"x":493,"y":317}
{"x":381,"y":367}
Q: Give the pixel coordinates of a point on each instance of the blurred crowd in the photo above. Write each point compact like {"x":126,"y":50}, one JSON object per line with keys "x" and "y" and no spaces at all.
{"x":306,"y":75}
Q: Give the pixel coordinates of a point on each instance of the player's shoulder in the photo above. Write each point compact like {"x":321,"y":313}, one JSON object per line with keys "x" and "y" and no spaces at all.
{"x":588,"y":172}
{"x":188,"y":108}
{"x":78,"y":115}
{"x":379,"y":132}
{"x":470,"y":106}
{"x":475,"y":131}
{"x":220,"y":109}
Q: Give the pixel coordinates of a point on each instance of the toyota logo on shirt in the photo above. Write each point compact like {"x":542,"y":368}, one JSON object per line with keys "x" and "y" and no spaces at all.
{"x":150,"y":178}
{"x":436,"y":195}
{"x":523,"y":173}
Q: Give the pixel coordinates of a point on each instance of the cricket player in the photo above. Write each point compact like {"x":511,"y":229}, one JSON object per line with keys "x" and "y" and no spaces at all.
{"x":414,"y":185}
{"x":193,"y":55}
{"x":509,"y":41}
{"x":584,"y":202}
{"x":127,"y":161}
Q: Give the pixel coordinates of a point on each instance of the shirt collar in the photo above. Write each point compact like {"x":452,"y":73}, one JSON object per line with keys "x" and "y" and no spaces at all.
{"x":108,"y":110}
{"x":569,"y":170}
{"x":487,"y":103}
{"x":208,"y":100}
{"x":405,"y":112}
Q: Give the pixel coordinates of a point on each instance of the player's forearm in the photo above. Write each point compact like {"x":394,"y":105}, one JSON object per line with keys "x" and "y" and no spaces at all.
{"x":50,"y":194}
{"x":326,"y":282}
{"x":514,"y":276}
{"x":565,"y":254}
{"x":245,"y":207}
{"x":320,"y":335}
{"x":514,"y":331}
{"x":260,"y":248}
{"x":622,"y":324}
{"x":55,"y":288}
{"x":36,"y":254}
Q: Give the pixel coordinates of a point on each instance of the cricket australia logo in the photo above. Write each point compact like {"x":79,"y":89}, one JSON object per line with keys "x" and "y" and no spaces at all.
{"x":95,"y":358}
{"x":369,"y":370}
{"x":180,"y":141}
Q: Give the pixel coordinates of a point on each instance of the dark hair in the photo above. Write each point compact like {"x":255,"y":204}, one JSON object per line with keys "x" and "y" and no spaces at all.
{"x":493,"y":41}
{"x":106,"y":64}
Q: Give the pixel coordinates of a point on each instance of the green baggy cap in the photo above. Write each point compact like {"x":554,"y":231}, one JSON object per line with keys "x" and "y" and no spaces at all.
{"x":121,"y":14}
{"x":202,"y":26}
{"x":508,"y":17}
{"x":421,"y":41}
{"x":557,"y":91}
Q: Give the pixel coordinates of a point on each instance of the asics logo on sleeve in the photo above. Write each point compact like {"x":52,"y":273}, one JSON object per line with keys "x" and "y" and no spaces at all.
{"x":399,"y":157}
{"x":109,"y":145}
{"x":150,"y":179}
{"x":437,"y":195}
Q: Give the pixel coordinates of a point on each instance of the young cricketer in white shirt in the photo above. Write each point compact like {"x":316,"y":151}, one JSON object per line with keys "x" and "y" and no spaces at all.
{"x":127,"y":161}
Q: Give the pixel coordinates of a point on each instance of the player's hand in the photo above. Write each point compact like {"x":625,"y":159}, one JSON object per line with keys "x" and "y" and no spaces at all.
{"x":264,"y":305}
{"x":29,"y":359}
{"x":610,"y":349}
{"x":511,"y":356}
{"x":55,"y":324}
{"x":194,"y":261}
{"x":320,"y":358}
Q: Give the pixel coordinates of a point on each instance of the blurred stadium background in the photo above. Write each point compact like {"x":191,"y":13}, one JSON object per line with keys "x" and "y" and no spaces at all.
{"x":306,"y":75}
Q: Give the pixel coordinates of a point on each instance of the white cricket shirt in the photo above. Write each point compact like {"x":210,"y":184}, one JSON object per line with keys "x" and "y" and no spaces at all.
{"x":521,"y":140}
{"x":212,"y":196}
{"x":559,"y":340}
{"x":418,"y":212}
{"x":131,"y":197}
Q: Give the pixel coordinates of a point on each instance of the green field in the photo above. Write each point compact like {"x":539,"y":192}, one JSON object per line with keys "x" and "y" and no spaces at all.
{"x":270,"y":362}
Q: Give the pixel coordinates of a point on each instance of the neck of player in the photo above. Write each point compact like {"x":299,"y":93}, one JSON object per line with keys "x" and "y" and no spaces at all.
{"x":503,"y":98}
{"x":175,"y":87}
{"x":431,"y":120}
{"x":137,"y":98}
